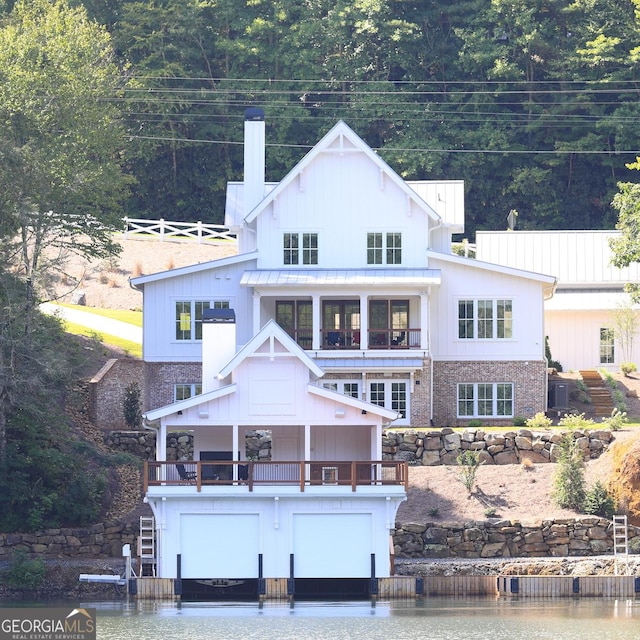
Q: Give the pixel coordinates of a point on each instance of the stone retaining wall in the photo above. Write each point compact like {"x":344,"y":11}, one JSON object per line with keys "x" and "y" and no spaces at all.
{"x":97,"y":541}
{"x":584,"y":536}
{"x":443,"y":446}
{"x":427,"y":448}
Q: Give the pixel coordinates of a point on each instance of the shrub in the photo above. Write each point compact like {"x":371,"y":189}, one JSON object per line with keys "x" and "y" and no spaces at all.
{"x":568,"y":483}
{"x":599,"y":502}
{"x":469,"y":461}
{"x":575,"y":421}
{"x":475,"y":423}
{"x":519,"y":421}
{"x":490,"y":512}
{"x":434,"y":512}
{"x":628,"y":368}
{"x":131,"y":406}
{"x":24,"y":572}
{"x":539,"y":421}
{"x":615,"y":421}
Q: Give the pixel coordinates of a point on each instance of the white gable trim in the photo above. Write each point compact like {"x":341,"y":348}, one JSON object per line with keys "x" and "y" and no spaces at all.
{"x":194,"y":401}
{"x":271,"y":332}
{"x":328,"y":394}
{"x":139,"y":282}
{"x":342,"y":133}
{"x":488,"y":266}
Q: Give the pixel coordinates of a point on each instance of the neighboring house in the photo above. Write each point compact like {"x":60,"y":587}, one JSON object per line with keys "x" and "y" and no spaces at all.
{"x":579,"y":319}
{"x":344,"y":312}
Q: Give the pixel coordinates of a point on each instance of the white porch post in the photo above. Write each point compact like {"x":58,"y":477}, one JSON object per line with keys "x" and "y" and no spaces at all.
{"x":256,"y":312}
{"x":307,"y":452}
{"x":364,"y":322}
{"x":236,"y":449}
{"x":316,"y":340}
{"x":424,"y":320}
{"x":161,"y":443}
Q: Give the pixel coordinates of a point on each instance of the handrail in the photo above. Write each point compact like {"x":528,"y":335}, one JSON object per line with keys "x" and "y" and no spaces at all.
{"x":251,"y":473}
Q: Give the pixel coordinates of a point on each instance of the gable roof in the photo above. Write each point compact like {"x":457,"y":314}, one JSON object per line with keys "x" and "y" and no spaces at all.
{"x":193,"y":401}
{"x":496,"y":268}
{"x":140,"y":281}
{"x":341,"y":138}
{"x":271,"y":332}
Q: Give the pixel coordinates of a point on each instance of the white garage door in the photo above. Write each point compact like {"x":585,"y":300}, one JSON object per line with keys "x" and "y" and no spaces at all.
{"x":332,"y":546}
{"x":219,"y":546}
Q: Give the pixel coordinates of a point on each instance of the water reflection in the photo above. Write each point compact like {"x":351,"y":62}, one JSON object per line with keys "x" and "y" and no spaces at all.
{"x":441,"y":619}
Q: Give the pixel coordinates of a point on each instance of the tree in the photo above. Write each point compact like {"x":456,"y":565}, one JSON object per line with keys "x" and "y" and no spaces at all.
{"x":569,"y":484}
{"x":626,"y":247}
{"x":625,"y":323}
{"x":61,"y":183}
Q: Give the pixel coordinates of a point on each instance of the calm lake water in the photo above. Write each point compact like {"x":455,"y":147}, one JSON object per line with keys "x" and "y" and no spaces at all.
{"x":440,"y":618}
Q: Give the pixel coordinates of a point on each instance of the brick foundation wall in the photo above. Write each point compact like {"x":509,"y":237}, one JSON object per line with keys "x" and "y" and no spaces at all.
{"x":107,"y":389}
{"x":160,"y":378}
{"x":529,"y":379}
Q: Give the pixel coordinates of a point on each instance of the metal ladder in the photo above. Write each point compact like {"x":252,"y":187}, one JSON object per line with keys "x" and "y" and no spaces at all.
{"x":147,"y":546}
{"x":620,"y":544}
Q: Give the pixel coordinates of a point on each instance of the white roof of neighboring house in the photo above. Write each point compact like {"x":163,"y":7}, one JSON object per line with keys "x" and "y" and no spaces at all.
{"x":581,"y":258}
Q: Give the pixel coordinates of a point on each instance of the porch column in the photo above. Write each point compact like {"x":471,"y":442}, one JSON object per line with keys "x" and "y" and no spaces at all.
{"x":235,"y":440}
{"x":364,"y":322}
{"x":424,"y":320}
{"x":307,"y":452}
{"x":316,"y":341}
{"x":256,"y":312}
{"x":161,"y":443}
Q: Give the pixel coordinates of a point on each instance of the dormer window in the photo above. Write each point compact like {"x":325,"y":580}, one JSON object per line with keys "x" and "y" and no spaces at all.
{"x":292,"y":249}
{"x":384,"y":248}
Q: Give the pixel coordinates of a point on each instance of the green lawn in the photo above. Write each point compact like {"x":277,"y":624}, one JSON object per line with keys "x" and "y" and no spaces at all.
{"x":131,"y":317}
{"x":131,"y":348}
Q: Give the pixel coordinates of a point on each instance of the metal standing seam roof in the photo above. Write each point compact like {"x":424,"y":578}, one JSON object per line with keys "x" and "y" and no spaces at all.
{"x":340,"y":277}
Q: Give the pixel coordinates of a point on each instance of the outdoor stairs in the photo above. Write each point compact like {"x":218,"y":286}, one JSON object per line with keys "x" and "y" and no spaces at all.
{"x":599,"y":393}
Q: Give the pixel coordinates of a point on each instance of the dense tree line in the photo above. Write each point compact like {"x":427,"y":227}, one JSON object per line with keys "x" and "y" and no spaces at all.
{"x":532,"y":102}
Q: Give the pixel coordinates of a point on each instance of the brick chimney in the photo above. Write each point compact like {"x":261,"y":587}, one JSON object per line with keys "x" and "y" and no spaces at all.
{"x":218,"y":344}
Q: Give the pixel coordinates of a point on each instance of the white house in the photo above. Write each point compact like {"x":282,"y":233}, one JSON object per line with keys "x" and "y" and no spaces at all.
{"x":579,"y":317}
{"x":343,"y":312}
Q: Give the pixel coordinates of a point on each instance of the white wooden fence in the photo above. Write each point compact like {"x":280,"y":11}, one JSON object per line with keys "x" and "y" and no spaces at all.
{"x":166,"y":230}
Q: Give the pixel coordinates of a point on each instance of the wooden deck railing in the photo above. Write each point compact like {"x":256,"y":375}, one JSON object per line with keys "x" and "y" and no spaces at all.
{"x":302,"y":474}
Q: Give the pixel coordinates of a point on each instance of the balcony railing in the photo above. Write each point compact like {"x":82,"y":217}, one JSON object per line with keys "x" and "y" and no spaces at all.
{"x":272,"y":473}
{"x":378,"y":338}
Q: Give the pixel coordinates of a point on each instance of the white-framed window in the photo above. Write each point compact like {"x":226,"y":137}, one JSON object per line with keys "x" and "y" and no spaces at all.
{"x":188,"y":317}
{"x":607,"y":346}
{"x":346,"y":387}
{"x":384,"y":248}
{"x":485,"y":319}
{"x":292,"y":248}
{"x":183,"y":391}
{"x":485,"y":400}
{"x":391,"y":394}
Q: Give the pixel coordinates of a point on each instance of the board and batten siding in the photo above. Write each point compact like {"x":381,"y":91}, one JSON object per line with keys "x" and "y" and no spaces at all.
{"x":332,"y":193}
{"x":573,"y":257}
{"x":160,"y":297}
{"x":356,"y":526}
{"x":462,"y":282}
